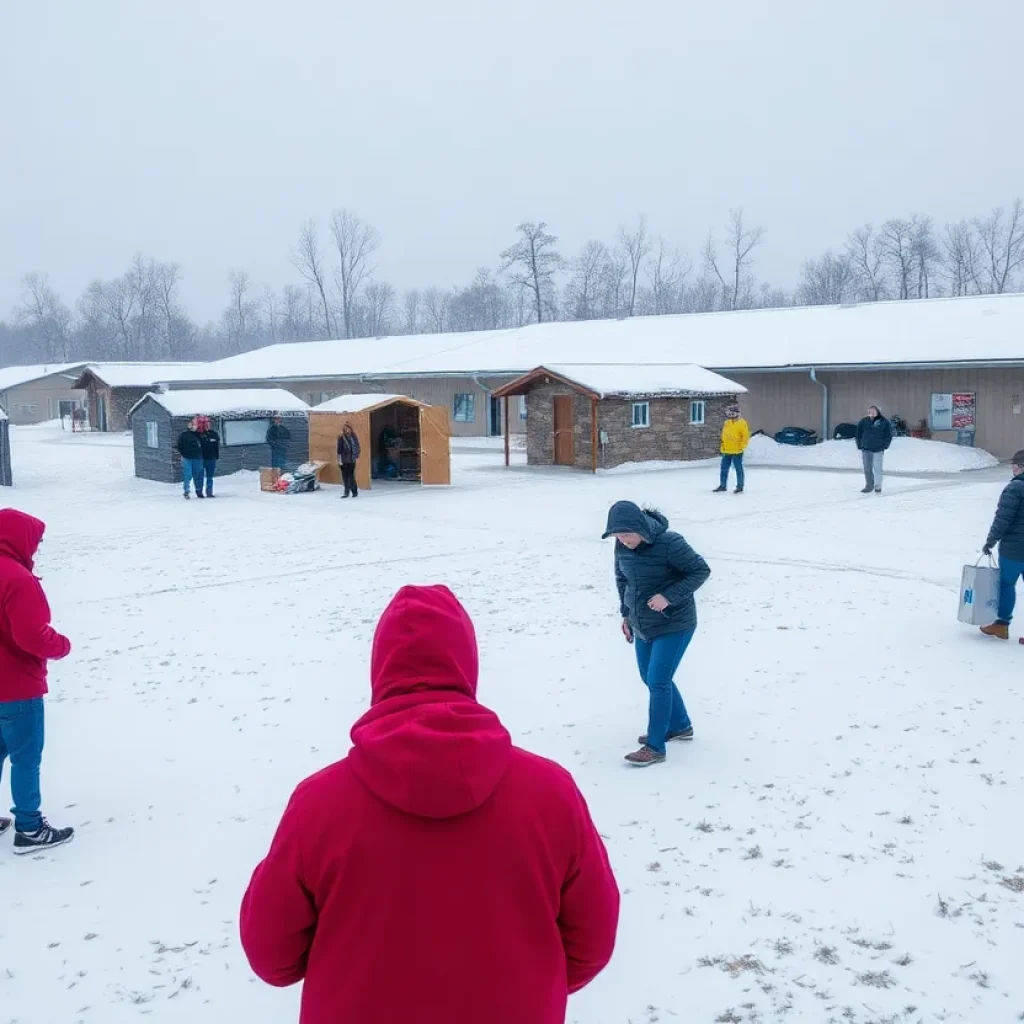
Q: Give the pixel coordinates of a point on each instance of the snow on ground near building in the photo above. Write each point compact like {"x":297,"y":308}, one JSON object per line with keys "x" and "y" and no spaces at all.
{"x":841,"y":843}
{"x":907,"y":455}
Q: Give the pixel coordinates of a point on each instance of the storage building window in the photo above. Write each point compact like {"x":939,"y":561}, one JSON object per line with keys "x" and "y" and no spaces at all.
{"x":641,"y":414}
{"x":696,"y":413}
{"x":522,"y":407}
{"x":239,"y":432}
{"x":465,"y":409}
{"x":152,"y":435}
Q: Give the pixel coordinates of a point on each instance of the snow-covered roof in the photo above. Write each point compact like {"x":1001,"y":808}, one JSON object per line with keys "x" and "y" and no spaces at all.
{"x":984,"y":328}
{"x":139,"y":375}
{"x":359,"y":403}
{"x":15,"y":376}
{"x":226,"y":402}
{"x":3,"y":415}
{"x":609,"y":380}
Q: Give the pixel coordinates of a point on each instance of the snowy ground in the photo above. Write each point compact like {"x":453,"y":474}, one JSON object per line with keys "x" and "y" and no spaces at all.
{"x":842,"y":843}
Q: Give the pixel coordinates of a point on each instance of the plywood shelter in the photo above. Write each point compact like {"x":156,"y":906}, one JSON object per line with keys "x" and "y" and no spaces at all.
{"x":240,"y":416}
{"x":601,"y":416}
{"x":423,"y":454}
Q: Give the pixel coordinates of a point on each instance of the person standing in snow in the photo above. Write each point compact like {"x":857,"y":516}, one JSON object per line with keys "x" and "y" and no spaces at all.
{"x":1008,"y":532}
{"x":735,"y":438}
{"x":656,"y":573}
{"x":27,"y":642}
{"x":278,"y":436}
{"x":209,"y":440}
{"x":874,"y":435}
{"x":437,"y":874}
{"x":348,"y":455}
{"x":190,"y":448}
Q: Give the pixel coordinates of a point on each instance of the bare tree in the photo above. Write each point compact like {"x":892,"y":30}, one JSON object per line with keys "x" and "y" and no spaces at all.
{"x":411,"y":302}
{"x":826,"y":281}
{"x":356,"y":242}
{"x":179,"y":333}
{"x":436,"y":310}
{"x":271,"y":314}
{"x":48,"y":320}
{"x":379,"y":300}
{"x":534,"y":262}
{"x":705,"y":295}
{"x":309,"y":261}
{"x":241,"y":317}
{"x":589,"y":277}
{"x":667,"y":271}
{"x":296,"y":318}
{"x":864,"y":251}
{"x":1002,"y":238}
{"x":741,"y":243}
{"x":635,"y":245}
{"x":962,"y":256}
{"x":481,"y":306}
{"x":897,"y":243}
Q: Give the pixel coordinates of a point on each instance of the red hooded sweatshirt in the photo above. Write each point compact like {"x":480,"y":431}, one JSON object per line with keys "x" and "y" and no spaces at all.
{"x":27,"y":641}
{"x":437,"y":874}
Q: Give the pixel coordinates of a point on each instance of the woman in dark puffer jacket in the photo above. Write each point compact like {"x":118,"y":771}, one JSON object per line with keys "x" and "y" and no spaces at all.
{"x":657,"y":573}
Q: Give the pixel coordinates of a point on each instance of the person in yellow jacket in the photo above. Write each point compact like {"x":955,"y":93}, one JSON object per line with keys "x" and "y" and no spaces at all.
{"x":735,"y":438}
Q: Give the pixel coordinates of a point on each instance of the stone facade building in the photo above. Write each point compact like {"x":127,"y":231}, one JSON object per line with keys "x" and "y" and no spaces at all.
{"x":113,"y":389}
{"x":599,"y":417}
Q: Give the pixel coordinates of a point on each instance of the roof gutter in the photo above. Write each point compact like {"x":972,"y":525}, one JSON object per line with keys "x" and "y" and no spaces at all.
{"x":824,"y":403}
{"x":964,"y":364}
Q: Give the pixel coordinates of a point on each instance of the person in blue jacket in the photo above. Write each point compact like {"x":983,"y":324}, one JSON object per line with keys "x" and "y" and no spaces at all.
{"x":656,"y":573}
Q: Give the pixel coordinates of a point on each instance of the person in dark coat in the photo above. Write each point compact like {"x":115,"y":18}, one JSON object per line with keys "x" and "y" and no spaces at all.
{"x":209,"y":440}
{"x":656,"y":573}
{"x":348,"y":455}
{"x":1008,"y":532}
{"x":278,"y":436}
{"x":190,"y":447}
{"x":874,"y":435}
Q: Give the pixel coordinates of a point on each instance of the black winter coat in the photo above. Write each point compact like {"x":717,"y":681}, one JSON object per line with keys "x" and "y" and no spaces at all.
{"x":210,"y":442}
{"x":1008,"y":526}
{"x":874,"y":434}
{"x":189,"y":445}
{"x":663,"y":564}
{"x":277,"y":435}
{"x":348,"y":449}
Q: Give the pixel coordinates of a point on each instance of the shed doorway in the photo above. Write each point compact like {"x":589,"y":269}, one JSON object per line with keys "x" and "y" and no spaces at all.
{"x":396,"y":443}
{"x":565,"y":429}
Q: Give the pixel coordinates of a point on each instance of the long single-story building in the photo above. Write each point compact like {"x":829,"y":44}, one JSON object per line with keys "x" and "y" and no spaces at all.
{"x":36,"y":394}
{"x":112,"y":389}
{"x":956,"y":364}
{"x":599,"y":417}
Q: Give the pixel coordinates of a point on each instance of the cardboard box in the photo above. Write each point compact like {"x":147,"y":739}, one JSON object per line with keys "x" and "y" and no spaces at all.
{"x":269,"y":478}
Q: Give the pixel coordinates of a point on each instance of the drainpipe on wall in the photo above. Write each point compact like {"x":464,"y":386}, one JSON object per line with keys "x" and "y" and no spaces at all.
{"x":487,"y":400}
{"x":824,"y":404}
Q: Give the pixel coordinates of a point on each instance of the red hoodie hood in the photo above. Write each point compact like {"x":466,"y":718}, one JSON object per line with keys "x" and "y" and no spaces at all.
{"x":426,"y":746}
{"x":20,"y":535}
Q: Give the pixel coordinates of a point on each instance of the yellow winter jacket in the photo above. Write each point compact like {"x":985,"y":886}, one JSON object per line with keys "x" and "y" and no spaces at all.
{"x":735,"y":437}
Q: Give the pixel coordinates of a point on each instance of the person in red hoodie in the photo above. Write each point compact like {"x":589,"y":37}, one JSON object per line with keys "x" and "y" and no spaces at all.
{"x":437,"y":874}
{"x":27,"y":642}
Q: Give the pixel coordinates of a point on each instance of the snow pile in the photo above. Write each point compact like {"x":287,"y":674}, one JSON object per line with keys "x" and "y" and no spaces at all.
{"x":907,"y":455}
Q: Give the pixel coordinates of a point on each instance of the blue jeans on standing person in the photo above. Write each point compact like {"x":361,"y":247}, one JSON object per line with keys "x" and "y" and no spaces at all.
{"x":658,"y":660}
{"x":209,"y":468}
{"x":278,"y":459}
{"x":732,"y":460}
{"x":21,"y":740}
{"x":192,"y":473}
{"x":1009,"y":572}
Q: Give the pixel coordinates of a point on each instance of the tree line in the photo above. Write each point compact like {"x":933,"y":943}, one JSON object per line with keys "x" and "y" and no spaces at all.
{"x":338,"y":294}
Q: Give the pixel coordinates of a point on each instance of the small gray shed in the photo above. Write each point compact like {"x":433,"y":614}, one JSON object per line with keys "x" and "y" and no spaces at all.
{"x":241,"y":417}
{"x":6,"y":479}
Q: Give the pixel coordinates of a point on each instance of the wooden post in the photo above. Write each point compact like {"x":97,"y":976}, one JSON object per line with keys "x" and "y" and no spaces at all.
{"x":593,"y":433}
{"x":508,"y":444}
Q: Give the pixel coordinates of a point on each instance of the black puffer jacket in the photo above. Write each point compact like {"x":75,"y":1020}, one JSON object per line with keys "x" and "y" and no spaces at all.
{"x":874,"y":434}
{"x":189,"y":445}
{"x":1008,"y":526}
{"x":210,"y":441}
{"x":664,"y":564}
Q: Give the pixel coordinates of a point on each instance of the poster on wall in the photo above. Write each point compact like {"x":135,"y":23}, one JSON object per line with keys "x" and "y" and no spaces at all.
{"x":942,"y":412}
{"x":964,"y":411}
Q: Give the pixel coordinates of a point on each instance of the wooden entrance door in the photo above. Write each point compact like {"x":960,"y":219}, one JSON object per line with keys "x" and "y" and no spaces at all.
{"x":565,"y":453}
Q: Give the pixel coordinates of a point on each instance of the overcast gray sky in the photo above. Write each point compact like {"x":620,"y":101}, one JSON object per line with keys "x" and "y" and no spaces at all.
{"x":206,"y":131}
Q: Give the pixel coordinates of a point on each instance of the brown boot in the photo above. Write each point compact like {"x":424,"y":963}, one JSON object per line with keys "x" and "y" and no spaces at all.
{"x":1000,"y":630}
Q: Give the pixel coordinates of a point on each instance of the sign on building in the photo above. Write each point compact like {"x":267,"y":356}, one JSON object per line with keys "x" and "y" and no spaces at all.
{"x":954,"y":411}
{"x":942,"y":412}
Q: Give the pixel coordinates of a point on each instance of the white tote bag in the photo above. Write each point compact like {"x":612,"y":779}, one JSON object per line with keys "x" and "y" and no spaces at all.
{"x":979,"y":594}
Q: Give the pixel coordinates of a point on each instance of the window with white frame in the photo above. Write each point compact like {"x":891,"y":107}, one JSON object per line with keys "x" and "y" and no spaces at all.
{"x":240,"y":432}
{"x":152,"y":434}
{"x":641,"y":414}
{"x":464,"y":408}
{"x":696,"y":413}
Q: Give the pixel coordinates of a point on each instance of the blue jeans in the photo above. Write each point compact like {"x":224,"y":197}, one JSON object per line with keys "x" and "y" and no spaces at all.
{"x":210,"y":468}
{"x":279,"y":459}
{"x":1009,"y":572}
{"x":21,"y":740}
{"x":192,"y":473}
{"x":658,"y":660}
{"x":732,"y":460}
